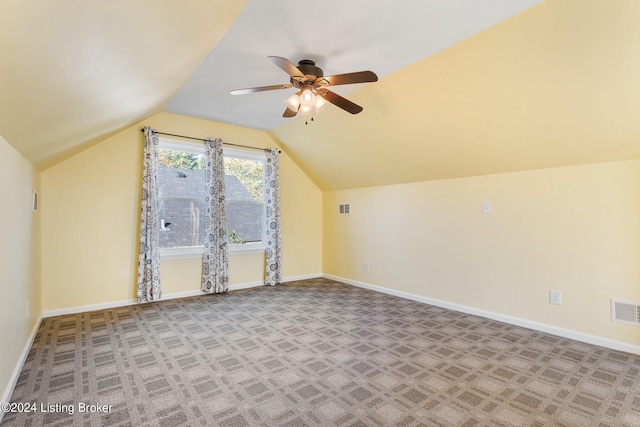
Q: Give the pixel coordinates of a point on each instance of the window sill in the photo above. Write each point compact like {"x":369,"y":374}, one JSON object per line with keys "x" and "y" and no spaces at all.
{"x":249,"y":248}
{"x":186,"y":252}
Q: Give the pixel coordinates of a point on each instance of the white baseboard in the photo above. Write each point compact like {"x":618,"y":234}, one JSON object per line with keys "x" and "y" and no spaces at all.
{"x":247,"y":285}
{"x":122,"y":303}
{"x":542,"y":327}
{"x":6,"y":396}
{"x":303,"y":277}
{"x":91,"y":307}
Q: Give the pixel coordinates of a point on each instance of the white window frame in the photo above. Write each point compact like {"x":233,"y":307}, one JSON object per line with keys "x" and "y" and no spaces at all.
{"x":183,"y":252}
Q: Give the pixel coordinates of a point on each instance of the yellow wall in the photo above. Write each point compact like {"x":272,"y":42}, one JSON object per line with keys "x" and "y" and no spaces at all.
{"x":554,"y":85}
{"x":19,"y":258}
{"x":574,"y":229}
{"x":91,"y":215}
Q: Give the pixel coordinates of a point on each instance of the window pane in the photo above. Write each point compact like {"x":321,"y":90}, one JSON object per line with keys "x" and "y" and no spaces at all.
{"x":181,"y":160}
{"x":183,"y":222}
{"x":181,"y":193}
{"x":243,"y":186}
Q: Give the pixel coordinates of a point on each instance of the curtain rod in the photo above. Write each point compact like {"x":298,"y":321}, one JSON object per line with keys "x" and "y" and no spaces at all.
{"x":203,"y":139}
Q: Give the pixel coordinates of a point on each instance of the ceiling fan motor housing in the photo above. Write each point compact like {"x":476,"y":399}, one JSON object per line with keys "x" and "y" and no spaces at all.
{"x":309,"y":69}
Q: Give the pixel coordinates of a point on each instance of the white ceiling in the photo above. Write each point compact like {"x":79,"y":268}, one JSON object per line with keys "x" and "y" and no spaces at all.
{"x":467,"y":87}
{"x":342,"y":37}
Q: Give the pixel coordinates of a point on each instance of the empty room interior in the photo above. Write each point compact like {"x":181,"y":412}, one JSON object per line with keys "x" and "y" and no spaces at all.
{"x":458,"y":223}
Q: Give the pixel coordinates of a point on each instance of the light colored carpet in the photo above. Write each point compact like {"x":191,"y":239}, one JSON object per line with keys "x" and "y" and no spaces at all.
{"x":317,"y":353}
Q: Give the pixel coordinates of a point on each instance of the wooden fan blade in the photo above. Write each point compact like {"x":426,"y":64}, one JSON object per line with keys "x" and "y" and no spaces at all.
{"x":350,"y":78}
{"x":287,"y":66}
{"x":259,"y":89}
{"x":289,"y":113}
{"x":341,"y":102}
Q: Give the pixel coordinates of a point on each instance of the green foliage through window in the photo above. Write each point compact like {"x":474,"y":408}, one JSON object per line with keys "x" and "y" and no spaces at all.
{"x":249,"y":172}
{"x":244,"y":208}
{"x":234,"y":239}
{"x":182,"y":160}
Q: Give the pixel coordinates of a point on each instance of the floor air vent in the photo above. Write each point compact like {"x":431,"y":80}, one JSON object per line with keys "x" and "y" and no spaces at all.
{"x":625,"y":312}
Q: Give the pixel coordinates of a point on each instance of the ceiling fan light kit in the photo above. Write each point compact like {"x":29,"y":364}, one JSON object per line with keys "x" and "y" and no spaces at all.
{"x":306,"y":102}
{"x":311,"y":82}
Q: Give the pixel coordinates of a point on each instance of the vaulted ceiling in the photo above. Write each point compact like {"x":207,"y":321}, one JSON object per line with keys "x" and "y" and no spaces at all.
{"x":466,"y":87}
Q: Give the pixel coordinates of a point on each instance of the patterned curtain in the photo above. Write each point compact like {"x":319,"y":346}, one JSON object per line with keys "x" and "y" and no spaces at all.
{"x":215,"y":259}
{"x":271,"y":185}
{"x":149,"y":253}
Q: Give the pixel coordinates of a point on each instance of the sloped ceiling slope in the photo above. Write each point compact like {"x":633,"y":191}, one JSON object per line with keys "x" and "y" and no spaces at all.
{"x":383,"y":36}
{"x":467,"y":87}
{"x":73,"y":71}
{"x":556,"y":85}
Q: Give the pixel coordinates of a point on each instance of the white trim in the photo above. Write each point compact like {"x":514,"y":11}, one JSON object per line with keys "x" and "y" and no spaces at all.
{"x":186,"y":252}
{"x":6,"y":396}
{"x":167,"y":143}
{"x":199,"y":292}
{"x":197,"y":147}
{"x":181,"y":252}
{"x":122,"y":303}
{"x":302,"y":277}
{"x":246,"y":285}
{"x":248,"y":248}
{"x":542,"y":327}
{"x":244,"y":153}
{"x":90,"y":307}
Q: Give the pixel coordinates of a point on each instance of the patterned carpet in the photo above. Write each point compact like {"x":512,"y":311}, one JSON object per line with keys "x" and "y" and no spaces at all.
{"x":315,"y":353}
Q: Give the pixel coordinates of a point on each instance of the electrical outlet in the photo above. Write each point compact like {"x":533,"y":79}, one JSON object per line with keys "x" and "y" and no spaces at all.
{"x":366,"y":266}
{"x":555,"y":297}
{"x":486,"y":208}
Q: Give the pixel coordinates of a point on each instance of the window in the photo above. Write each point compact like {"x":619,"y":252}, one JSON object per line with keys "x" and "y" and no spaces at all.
{"x":181,"y":199}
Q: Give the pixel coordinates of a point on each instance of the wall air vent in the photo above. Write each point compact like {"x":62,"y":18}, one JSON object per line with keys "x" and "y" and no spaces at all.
{"x":344,"y":209}
{"x":625,"y":312}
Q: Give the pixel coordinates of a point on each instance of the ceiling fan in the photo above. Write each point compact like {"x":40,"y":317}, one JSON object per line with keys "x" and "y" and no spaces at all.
{"x":313,"y":94}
